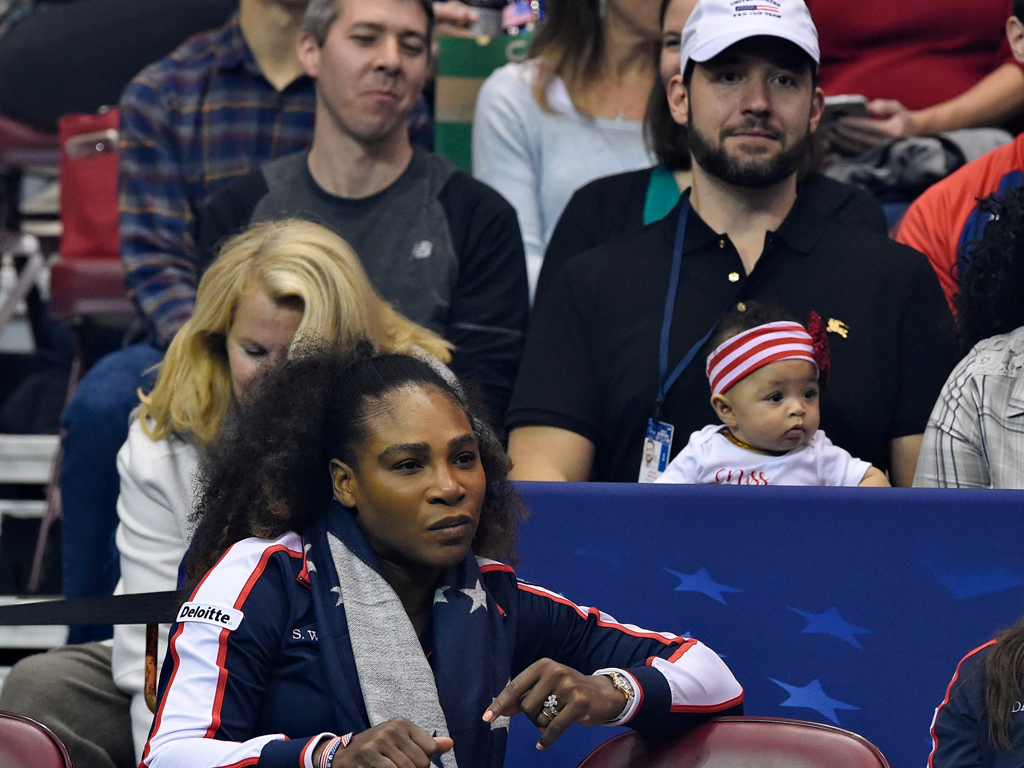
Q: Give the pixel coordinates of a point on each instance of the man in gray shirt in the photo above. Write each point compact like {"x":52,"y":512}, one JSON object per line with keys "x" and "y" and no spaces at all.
{"x":443,"y":248}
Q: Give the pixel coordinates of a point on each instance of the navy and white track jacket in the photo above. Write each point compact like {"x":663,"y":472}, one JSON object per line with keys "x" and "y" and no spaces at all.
{"x":960,"y":727}
{"x":242,"y":684}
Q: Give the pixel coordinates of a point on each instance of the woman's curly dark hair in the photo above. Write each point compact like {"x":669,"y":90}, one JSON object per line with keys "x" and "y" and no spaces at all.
{"x":1003,"y":680}
{"x":268,"y":471}
{"x":990,"y":297}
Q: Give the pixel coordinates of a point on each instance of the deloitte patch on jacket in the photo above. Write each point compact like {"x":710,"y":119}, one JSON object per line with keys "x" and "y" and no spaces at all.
{"x":226,"y":618}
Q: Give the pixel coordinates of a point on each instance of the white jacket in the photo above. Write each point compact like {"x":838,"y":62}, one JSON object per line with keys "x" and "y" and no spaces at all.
{"x":157,"y":497}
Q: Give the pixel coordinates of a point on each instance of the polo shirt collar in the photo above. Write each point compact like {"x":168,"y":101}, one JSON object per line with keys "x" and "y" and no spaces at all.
{"x":803,"y":227}
{"x":698,"y":234}
{"x":800,"y":231}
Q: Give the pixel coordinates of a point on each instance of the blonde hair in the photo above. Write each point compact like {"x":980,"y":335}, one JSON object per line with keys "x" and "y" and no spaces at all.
{"x":290,"y":260}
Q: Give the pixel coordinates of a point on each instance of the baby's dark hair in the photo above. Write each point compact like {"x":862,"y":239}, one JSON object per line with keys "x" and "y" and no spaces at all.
{"x":746,"y":315}
{"x":268,"y":471}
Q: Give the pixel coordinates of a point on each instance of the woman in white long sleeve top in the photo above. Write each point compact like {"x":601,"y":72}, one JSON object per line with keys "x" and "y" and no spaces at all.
{"x":571,"y":113}
{"x":157,"y":493}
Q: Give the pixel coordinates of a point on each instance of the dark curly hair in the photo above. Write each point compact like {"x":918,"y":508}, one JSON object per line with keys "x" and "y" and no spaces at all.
{"x":268,"y":471}
{"x":990,"y":296}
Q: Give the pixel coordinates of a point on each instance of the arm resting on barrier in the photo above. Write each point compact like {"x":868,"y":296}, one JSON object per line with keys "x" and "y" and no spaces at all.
{"x":679,"y":682}
{"x":550,"y":454}
{"x":903,"y":453}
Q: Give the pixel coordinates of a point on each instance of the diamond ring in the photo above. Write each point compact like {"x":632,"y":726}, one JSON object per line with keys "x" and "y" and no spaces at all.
{"x":550,"y":708}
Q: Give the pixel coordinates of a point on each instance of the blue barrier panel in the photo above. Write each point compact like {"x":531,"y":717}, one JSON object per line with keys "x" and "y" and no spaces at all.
{"x":845,"y":606}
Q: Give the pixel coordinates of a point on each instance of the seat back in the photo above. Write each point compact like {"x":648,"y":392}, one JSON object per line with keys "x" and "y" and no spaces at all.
{"x":87,"y":280}
{"x":24,"y":743}
{"x":88,"y":186}
{"x":744,"y":742}
{"x":22,"y":145}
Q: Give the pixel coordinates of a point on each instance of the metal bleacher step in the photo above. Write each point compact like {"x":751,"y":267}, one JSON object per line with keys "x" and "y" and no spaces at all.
{"x":23,"y":508}
{"x":27,"y":459}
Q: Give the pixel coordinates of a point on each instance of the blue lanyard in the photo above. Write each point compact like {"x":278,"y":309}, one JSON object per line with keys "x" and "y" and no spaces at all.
{"x":665,"y":380}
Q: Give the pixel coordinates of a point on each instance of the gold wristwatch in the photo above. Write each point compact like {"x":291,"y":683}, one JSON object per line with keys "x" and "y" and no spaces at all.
{"x":624,"y":686}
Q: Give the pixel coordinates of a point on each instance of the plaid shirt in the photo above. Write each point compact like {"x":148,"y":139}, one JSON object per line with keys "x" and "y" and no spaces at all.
{"x":975,"y":436}
{"x":190,"y":123}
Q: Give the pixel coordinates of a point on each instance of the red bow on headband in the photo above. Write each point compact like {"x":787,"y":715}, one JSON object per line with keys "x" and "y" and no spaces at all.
{"x":822,"y":358}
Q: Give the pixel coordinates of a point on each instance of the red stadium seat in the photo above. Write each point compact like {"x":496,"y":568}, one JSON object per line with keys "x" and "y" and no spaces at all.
{"x":87,"y":280}
{"x":24,"y":743}
{"x":744,"y":742}
{"x":23,"y":145}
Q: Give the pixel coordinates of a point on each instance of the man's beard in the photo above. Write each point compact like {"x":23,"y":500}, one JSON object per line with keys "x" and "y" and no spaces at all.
{"x":754,"y":173}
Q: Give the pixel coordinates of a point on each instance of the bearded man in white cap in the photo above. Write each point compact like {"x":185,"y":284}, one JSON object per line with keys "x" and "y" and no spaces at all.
{"x":616,"y":350}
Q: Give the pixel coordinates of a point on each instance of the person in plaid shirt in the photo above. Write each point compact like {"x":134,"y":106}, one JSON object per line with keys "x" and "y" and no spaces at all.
{"x":975,"y":435}
{"x":215,"y":109}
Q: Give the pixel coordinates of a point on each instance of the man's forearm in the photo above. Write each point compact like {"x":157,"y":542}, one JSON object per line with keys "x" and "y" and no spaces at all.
{"x":549,"y":454}
{"x":903,"y":453}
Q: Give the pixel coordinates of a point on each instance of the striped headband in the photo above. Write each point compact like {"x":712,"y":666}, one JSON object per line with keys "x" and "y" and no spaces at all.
{"x":744,"y":353}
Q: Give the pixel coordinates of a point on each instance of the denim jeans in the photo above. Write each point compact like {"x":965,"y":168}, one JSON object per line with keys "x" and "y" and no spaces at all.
{"x":95,"y":425}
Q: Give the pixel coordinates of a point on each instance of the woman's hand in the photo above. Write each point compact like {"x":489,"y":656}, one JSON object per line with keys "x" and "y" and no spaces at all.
{"x":396,"y":743}
{"x":889,"y":120}
{"x":583,"y":699}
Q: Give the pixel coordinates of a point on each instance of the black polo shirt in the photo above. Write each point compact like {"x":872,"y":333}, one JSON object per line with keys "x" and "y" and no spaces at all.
{"x":591,"y":359}
{"x":613,"y":206}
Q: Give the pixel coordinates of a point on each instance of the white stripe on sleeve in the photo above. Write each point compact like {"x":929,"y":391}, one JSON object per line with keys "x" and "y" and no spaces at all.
{"x":699,"y":680}
{"x":190,"y":710}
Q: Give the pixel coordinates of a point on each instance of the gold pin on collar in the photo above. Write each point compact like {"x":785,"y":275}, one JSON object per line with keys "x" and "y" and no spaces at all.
{"x":837,"y":326}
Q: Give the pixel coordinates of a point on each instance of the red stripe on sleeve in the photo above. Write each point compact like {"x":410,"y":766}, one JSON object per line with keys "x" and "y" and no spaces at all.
{"x":309,"y":745}
{"x":222,"y":653}
{"x":541,"y":592}
{"x":174,"y":671}
{"x":551,"y":596}
{"x":687,"y":645}
{"x":707,"y":708}
{"x":635,"y":633}
{"x":496,"y":567}
{"x":639,"y":692}
{"x":945,"y":701}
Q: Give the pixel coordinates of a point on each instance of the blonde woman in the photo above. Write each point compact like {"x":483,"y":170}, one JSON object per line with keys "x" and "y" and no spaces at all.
{"x":272,"y":287}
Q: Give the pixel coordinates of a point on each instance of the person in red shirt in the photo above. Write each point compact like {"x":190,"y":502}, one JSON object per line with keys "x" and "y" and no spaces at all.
{"x":924,"y":67}
{"x":944,"y":221}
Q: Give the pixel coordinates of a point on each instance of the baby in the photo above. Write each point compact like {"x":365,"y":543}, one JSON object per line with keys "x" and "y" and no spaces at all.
{"x":766,"y":374}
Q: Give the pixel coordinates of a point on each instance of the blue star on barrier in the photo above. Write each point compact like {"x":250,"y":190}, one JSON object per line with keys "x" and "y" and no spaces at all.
{"x":811,"y":696}
{"x":832,"y":623}
{"x":975,"y":579}
{"x":702,"y":582}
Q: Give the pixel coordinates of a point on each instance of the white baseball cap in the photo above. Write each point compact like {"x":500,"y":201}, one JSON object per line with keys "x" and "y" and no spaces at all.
{"x":714,"y":25}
